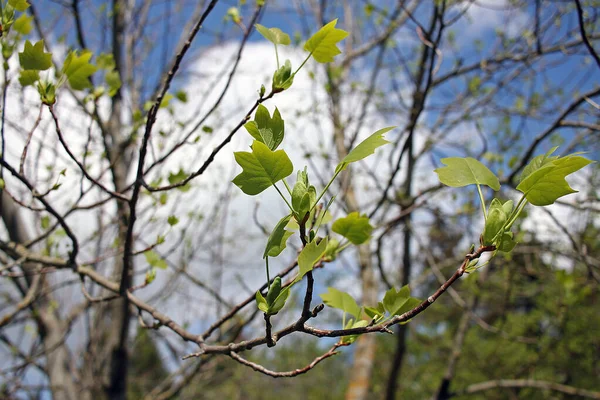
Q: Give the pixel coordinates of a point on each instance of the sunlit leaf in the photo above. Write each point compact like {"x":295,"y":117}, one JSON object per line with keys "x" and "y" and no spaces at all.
{"x":365,"y":148}
{"x":273,"y":35}
{"x":461,"y":171}
{"x":309,"y":256}
{"x":78,"y":70}
{"x":545,"y":185}
{"x":278,"y":238}
{"x":323,"y":44}
{"x":342,"y":301}
{"x":262,"y":168}
{"x":355,"y":227}
{"x":34,"y":57}
{"x":155,"y":260}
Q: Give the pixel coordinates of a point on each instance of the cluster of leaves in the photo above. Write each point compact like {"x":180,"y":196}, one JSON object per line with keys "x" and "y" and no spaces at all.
{"x":77,"y":67}
{"x":266,"y":165}
{"x":542,"y":182}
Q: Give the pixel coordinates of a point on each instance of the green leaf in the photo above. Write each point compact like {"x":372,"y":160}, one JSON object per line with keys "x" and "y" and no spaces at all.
{"x":365,"y":148}
{"x":172,"y":220}
{"x":178,"y":177}
{"x":23,"y":24}
{"x":105,"y":61}
{"x":181,"y":96}
{"x":155,"y":260}
{"x":113,"y":80}
{"x":19,"y":5}
{"x":496,"y":218}
{"x":279,"y":301}
{"x":323,"y":44}
{"x":283,"y":77}
{"x":309,"y":256}
{"x":304,"y":196}
{"x":351,"y":324}
{"x":409,"y":305}
{"x":262,"y":168}
{"x":278,"y":238}
{"x":375,"y":313}
{"x":545,"y":185}
{"x":45,"y":222}
{"x":78,"y":70}
{"x":331,"y":251}
{"x":150,"y":276}
{"x":537,"y":163}
{"x":394,"y":300}
{"x":460,"y":172}
{"x":355,"y":227}
{"x":273,"y":35}
{"x":342,"y":301}
{"x":34,"y":57}
{"x":274,"y":290}
{"x":28,"y":77}
{"x":261,"y":302}
{"x":265,"y":129}
{"x":507,"y":244}
{"x":2,"y":184}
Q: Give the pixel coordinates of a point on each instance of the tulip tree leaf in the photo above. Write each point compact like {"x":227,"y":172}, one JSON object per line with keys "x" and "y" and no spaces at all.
{"x":355,"y":227}
{"x":266,"y":129}
{"x":460,"y":172}
{"x":23,"y":24}
{"x":28,"y":77}
{"x":155,"y":260}
{"x":545,"y":185}
{"x":34,"y":57}
{"x":78,"y":70}
{"x":537,"y":163}
{"x":278,"y":238}
{"x":19,"y":5}
{"x":394,"y":300}
{"x":273,"y":35}
{"x":309,"y":256}
{"x":323,"y":44}
{"x":262,"y":168}
{"x":342,"y":301}
{"x":365,"y":148}
{"x":350,"y":325}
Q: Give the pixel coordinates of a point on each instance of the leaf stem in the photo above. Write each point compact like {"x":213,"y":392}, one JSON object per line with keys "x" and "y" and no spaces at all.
{"x":287,"y":186}
{"x":303,"y":62}
{"x":518,"y":209}
{"x":482,"y":201}
{"x":268,"y":277}
{"x":276,"y":55}
{"x":283,"y":197}
{"x":325,"y":190}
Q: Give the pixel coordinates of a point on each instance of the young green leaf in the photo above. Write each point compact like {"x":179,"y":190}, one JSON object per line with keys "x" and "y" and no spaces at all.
{"x":537,"y":163}
{"x":393,"y":301}
{"x":351,"y":324}
{"x":309,"y":256}
{"x":323,"y":44}
{"x":461,"y":171}
{"x":19,"y":5}
{"x":155,"y":260}
{"x":34,"y":57}
{"x":507,"y":243}
{"x":279,"y":301}
{"x":265,"y":129}
{"x":261,"y":302}
{"x":78,"y":70}
{"x":273,"y":35}
{"x":262,"y":168}
{"x":274,"y":290}
{"x":304,"y":196}
{"x":342,"y":301}
{"x":23,"y":24}
{"x":365,"y":148}
{"x":375,"y":313}
{"x":28,"y":77}
{"x":355,"y":227}
{"x":496,"y":217}
{"x":278,"y":238}
{"x":545,"y":185}
{"x":283,"y":77}
{"x":113,"y":80}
